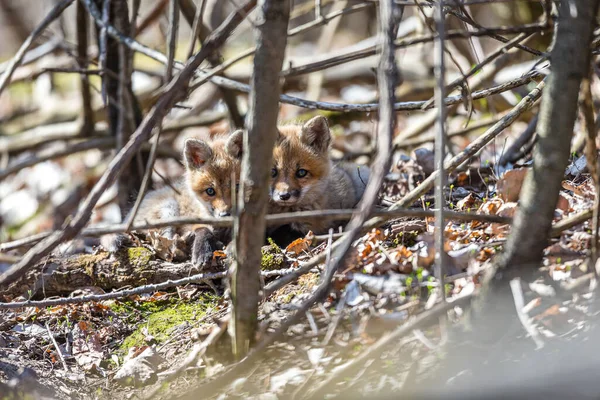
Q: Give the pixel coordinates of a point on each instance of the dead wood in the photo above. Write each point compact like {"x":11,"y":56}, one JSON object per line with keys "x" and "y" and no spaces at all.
{"x":60,"y":276}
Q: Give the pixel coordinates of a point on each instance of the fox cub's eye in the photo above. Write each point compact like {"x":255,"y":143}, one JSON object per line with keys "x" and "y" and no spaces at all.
{"x":210,"y":192}
{"x":301,"y":173}
{"x":273,"y":172}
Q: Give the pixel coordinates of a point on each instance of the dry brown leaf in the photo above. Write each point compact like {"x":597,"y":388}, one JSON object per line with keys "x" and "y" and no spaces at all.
{"x":301,"y":245}
{"x":491,"y":206}
{"x":509,"y":186}
{"x":585,"y":190}
{"x":219,"y":254}
{"x":466,"y":202}
{"x":87,"y":346}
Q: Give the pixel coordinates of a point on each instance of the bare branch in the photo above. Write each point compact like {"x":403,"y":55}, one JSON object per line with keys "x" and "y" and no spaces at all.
{"x":82,"y":62}
{"x":347,"y":56}
{"x":271,"y":219}
{"x":56,"y":11}
{"x":440,"y":143}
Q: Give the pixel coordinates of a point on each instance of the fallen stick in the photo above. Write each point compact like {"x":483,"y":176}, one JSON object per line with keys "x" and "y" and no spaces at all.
{"x":272,"y":219}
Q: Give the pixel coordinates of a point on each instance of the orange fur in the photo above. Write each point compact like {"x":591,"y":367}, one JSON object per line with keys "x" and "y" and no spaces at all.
{"x":212,"y":165}
{"x":304,"y":150}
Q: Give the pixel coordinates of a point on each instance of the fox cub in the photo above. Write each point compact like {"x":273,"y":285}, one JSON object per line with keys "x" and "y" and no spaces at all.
{"x":204,"y":191}
{"x":304,"y":177}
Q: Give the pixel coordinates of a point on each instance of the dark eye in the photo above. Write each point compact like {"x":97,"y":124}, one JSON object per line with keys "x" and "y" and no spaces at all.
{"x":210,"y":192}
{"x":301,"y":173}
{"x":273,"y":172}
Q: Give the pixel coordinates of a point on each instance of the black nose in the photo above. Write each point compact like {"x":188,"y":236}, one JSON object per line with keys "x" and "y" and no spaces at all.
{"x":284,"y":196}
{"x":224,"y":214}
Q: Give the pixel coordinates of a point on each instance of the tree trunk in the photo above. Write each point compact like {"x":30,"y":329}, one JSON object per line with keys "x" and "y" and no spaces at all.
{"x":124,"y":114}
{"x":570,"y":64}
{"x":489,"y":350}
{"x":249,"y":224}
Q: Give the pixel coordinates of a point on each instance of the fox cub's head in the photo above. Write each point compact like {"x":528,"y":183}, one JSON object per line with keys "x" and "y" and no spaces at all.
{"x":300,"y":163}
{"x":212,"y":168}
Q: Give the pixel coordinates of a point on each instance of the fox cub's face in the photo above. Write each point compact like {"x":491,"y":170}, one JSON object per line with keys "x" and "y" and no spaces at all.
{"x":300,"y":163}
{"x":211,"y":170}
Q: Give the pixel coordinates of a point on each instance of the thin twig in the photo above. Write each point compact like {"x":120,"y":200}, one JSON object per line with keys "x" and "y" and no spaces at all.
{"x":440,"y":143}
{"x":145,"y":180}
{"x":100,"y":143}
{"x":399,"y":106}
{"x":345,"y":56}
{"x":57,"y":347}
{"x":82,"y":62}
{"x":196,"y":26}
{"x":103,"y":46}
{"x":591,"y":154}
{"x":491,"y":57}
{"x":172,"y":35}
{"x":517,"y":292}
{"x":273,"y":219}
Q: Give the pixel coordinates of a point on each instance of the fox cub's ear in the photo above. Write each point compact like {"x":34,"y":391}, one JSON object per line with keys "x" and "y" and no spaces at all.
{"x":315,"y":133}
{"x":196,"y":153}
{"x":235,"y":144}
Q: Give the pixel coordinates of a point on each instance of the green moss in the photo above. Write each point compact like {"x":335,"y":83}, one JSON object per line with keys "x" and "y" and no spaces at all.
{"x":138,"y":256}
{"x":164,"y":318}
{"x":272,"y":257}
{"x":88,"y":262}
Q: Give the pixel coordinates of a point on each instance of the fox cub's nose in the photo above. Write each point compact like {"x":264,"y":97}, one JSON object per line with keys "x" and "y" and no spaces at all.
{"x":224,"y":214}
{"x":285,"y":196}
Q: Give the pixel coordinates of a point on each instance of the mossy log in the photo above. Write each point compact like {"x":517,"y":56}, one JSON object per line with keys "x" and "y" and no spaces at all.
{"x":60,"y":276}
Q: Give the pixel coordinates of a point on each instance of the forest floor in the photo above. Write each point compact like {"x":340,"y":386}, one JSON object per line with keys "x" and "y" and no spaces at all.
{"x":130,"y":347}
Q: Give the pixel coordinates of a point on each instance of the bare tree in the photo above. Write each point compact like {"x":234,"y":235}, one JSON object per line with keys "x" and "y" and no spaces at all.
{"x":494,"y":317}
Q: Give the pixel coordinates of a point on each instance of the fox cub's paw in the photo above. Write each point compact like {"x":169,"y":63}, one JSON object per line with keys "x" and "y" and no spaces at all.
{"x":114,"y":242}
{"x":205,"y":243}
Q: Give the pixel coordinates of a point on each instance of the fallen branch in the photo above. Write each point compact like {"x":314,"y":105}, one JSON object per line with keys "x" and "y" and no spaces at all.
{"x":59,"y":276}
{"x":569,"y":222}
{"x":272,"y":219}
{"x":115,"y":295}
